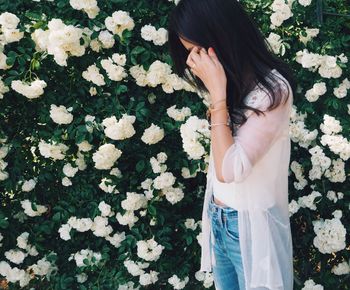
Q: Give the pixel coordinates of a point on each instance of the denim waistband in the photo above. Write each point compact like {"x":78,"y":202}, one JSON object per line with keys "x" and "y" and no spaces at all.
{"x":213,"y":207}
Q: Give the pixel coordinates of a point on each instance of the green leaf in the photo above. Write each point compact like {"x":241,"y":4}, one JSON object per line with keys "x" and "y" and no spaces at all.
{"x":121,"y":89}
{"x":33,"y":16}
{"x":152,"y":210}
{"x":140,"y":165}
{"x":4,"y":223}
{"x":189,"y":240}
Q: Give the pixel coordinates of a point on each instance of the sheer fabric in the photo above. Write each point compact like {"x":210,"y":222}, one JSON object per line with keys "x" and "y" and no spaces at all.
{"x":255,"y":171}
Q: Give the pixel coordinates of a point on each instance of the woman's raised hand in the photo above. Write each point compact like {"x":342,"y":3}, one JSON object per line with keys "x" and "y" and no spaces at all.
{"x":208,"y":68}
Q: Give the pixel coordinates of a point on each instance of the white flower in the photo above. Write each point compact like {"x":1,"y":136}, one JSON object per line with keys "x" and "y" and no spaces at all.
{"x":330,"y":235}
{"x":177,"y":283}
{"x":100,"y":227}
{"x":342,"y":268}
{"x":334,"y":196}
{"x":149,"y":250}
{"x":148,"y":278}
{"x":8,"y":24}
{"x":60,"y":114}
{"x":135,"y":268}
{"x":190,"y":223}
{"x":281,"y":13}
{"x":66,"y":181}
{"x":59,"y":40}
{"x":116,"y":172}
{"x":8,"y":20}
{"x":293,"y":207}
{"x":80,"y":224}
{"x":173,"y":195}
{"x":128,"y":218}
{"x":193,"y":132}
{"x":336,"y":173}
{"x":310,"y":33}
{"x":29,"y":211}
{"x":185,"y":173}
{"x":43,"y":267}
{"x":330,"y":125}
{"x":110,"y":188}
{"x":165,"y":179}
{"x":92,"y":74}
{"x":22,"y":240}
{"x":310,"y":285}
{"x":206,"y":277}
{"x":329,"y":67}
{"x":93,"y":91}
{"x":82,"y":277}
{"x":114,"y":72}
{"x":116,"y":239}
{"x":88,"y":6}
{"x":316,"y":91}
{"x":105,"y":156}
{"x":326,"y":64}
{"x":162,"y":157}
{"x":156,"y":166}
{"x":342,"y":90}
{"x":178,"y":114}
{"x":119,"y":21}
{"x":88,"y":254}
{"x":153,"y":134}
{"x":158,"y":73}
{"x":15,"y":256}
{"x":150,"y":33}
{"x":33,"y":90}
{"x":64,"y":232}
{"x":119,"y":59}
{"x":84,"y":146}
{"x":308,"y":201}
{"x":119,"y":130}
{"x":69,"y":170}
{"x":104,"y":208}
{"x":276,"y":43}
{"x":304,"y":2}
{"x":28,"y":185}
{"x":54,"y":151}
{"x":134,"y":201}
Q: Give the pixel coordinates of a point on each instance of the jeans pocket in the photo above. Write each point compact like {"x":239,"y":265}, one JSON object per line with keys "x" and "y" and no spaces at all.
{"x":231,"y":227}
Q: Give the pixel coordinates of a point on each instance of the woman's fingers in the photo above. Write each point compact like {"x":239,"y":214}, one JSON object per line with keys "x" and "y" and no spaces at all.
{"x":205,"y":56}
{"x":213,"y":55}
{"x":197,"y":56}
{"x":194,"y":54}
{"x":190,"y":61}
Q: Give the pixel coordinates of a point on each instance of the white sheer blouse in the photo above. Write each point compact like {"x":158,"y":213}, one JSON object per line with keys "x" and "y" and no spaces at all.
{"x":255,"y":170}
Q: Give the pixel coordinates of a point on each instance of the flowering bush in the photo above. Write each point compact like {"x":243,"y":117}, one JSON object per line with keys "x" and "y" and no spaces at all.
{"x":104,"y":150}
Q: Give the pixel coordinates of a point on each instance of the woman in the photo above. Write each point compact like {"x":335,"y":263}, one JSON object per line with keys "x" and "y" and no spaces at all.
{"x":246,"y":236}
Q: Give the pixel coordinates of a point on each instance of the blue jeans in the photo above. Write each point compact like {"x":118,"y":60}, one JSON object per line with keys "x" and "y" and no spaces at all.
{"x":227,"y":267}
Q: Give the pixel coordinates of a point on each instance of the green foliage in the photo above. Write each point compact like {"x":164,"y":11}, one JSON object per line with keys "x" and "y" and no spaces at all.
{"x":27,"y":121}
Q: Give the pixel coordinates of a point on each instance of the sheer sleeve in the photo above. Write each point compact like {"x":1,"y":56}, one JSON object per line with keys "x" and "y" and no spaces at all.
{"x":255,"y":137}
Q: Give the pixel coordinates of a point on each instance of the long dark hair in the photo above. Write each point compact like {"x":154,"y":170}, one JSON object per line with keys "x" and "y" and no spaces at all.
{"x":241,"y":48}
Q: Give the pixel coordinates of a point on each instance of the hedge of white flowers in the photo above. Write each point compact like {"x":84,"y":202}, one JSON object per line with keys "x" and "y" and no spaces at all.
{"x":104,"y":150}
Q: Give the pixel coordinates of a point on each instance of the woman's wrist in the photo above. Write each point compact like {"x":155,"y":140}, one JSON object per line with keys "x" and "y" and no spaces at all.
{"x":219,"y":116}
{"x":218,"y":104}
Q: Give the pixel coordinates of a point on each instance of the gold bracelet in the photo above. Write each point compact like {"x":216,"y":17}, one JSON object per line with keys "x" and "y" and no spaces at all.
{"x":218,"y":109}
{"x":209,"y":111}
{"x":217,"y":124}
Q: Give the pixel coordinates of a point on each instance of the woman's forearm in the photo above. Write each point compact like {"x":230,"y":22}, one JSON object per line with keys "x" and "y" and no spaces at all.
{"x":221,"y":137}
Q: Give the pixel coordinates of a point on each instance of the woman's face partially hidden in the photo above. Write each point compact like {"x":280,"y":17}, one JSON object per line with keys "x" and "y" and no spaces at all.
{"x":188,"y":45}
